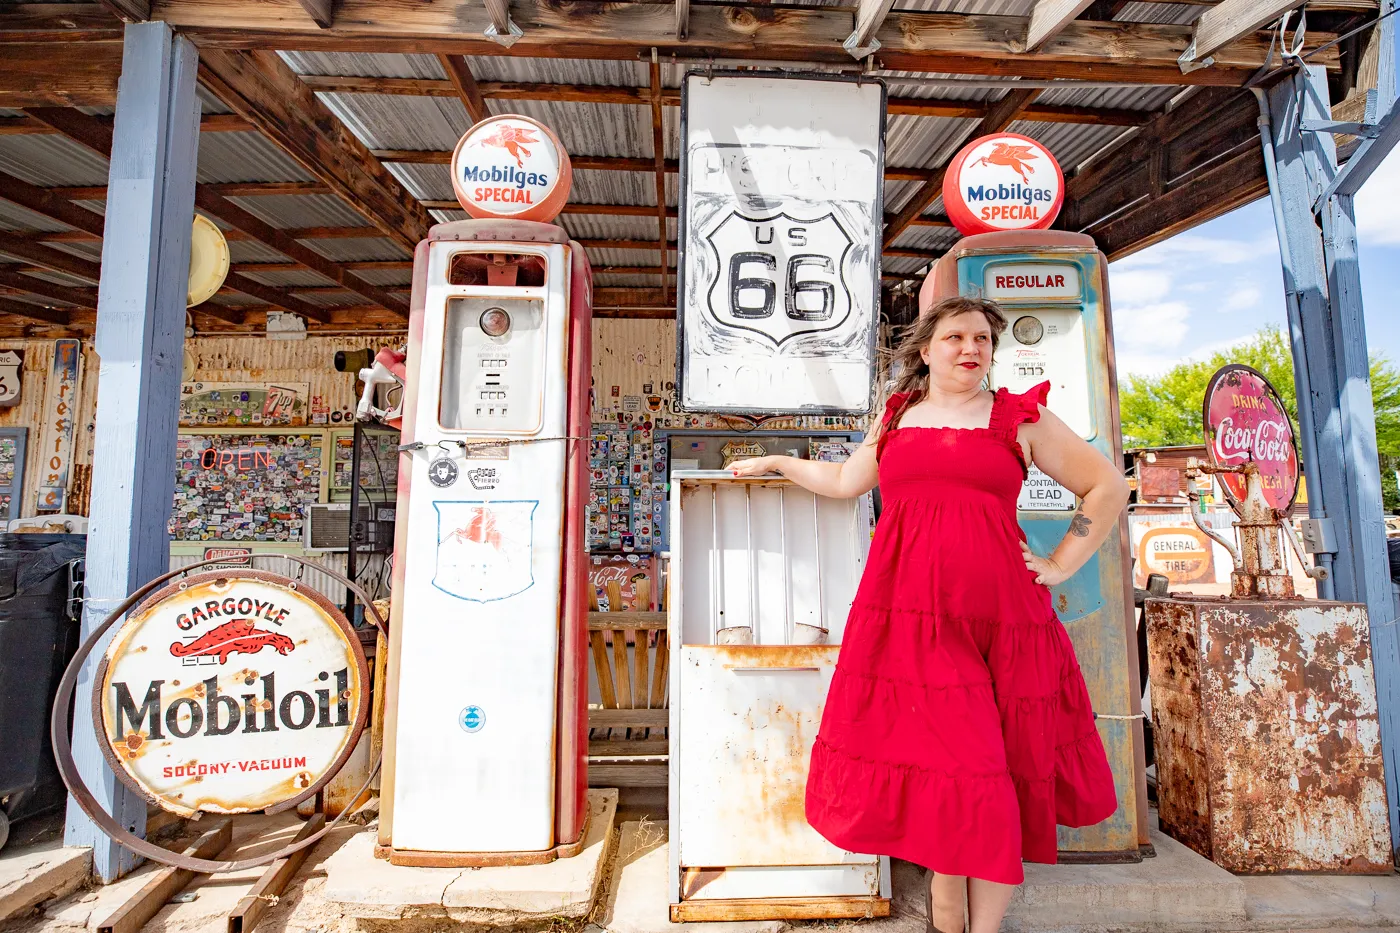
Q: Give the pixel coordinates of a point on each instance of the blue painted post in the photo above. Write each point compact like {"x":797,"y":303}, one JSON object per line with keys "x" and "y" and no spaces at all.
{"x":1322,"y":285}
{"x":140,"y":340}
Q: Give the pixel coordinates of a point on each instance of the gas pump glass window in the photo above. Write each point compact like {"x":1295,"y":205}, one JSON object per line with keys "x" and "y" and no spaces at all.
{"x":493,"y":365}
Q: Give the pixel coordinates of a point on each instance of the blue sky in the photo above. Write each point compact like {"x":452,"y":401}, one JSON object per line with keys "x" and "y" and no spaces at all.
{"x":1218,"y":284}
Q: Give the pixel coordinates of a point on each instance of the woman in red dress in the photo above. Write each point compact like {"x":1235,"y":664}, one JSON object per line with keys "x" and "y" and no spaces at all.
{"x":958,"y":731}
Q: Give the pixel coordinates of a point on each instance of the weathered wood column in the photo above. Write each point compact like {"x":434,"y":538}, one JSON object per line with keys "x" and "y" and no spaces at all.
{"x":140,"y":342}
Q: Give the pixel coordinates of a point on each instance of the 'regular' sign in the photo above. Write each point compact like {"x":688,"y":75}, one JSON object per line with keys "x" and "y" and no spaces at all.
{"x":230,"y":693}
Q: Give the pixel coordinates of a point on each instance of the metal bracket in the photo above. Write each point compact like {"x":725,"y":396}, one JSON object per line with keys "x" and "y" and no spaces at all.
{"x":1319,"y":536}
{"x":511,"y":36}
{"x":1365,"y":130}
{"x":860,"y":51}
{"x":1187,"y":60}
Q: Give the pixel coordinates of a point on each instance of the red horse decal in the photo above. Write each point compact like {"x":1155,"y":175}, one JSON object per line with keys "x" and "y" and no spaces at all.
{"x":513,"y":140}
{"x":231,"y":637}
{"x":1010,"y":155}
{"x":480,"y":530}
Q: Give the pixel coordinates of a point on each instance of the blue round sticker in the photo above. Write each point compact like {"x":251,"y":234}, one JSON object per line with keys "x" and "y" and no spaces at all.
{"x":471,"y":719}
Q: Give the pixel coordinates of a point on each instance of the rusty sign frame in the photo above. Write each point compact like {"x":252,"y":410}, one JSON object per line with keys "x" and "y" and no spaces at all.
{"x":68,"y":770}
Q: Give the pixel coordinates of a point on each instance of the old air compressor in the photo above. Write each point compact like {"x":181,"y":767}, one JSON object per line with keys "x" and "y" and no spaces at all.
{"x":486,"y":708}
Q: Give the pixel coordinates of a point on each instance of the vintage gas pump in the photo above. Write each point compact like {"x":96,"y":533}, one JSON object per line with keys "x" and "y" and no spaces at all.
{"x":485,"y":738}
{"x":1001,"y":191}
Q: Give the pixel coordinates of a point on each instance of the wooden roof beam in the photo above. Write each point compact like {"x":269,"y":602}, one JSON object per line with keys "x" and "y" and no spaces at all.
{"x":58,"y":22}
{"x":32,"y":312}
{"x":1001,"y":115}
{"x":1049,"y":18}
{"x":322,"y":12}
{"x":682,"y":11}
{"x":870,"y":16}
{"x":910,"y":41}
{"x":60,"y":74}
{"x":128,"y":11}
{"x":1230,"y":21}
{"x":78,"y":296}
{"x":33,"y":124}
{"x":260,"y":87}
{"x":459,"y":75}
{"x":658,"y":149}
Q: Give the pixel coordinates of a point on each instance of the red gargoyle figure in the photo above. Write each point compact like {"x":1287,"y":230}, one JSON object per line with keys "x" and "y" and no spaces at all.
{"x":513,"y":140}
{"x":1012,"y":156}
{"x":236,"y":636}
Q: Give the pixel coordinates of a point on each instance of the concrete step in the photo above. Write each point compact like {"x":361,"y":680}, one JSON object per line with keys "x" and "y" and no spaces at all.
{"x":33,"y":874}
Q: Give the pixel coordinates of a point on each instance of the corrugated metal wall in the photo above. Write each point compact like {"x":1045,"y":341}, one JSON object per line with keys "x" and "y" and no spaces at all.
{"x":631,"y":354}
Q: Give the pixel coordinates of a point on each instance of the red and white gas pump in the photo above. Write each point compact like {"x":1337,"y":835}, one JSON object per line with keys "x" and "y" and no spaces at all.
{"x":486,"y":713}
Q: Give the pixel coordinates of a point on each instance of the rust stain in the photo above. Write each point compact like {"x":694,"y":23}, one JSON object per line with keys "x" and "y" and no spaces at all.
{"x":693,"y":879}
{"x":134,"y":741}
{"x":1267,"y":734}
{"x":1062,"y":603}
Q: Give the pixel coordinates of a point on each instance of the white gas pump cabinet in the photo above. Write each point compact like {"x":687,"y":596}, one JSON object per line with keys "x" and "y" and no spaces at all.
{"x":763,"y":575}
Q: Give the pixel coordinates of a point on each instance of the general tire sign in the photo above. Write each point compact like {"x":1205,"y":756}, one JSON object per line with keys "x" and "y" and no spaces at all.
{"x":780,"y":243}
{"x":230,"y":693}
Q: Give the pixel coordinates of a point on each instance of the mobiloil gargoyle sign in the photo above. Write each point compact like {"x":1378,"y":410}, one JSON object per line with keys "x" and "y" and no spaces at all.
{"x":230,"y":693}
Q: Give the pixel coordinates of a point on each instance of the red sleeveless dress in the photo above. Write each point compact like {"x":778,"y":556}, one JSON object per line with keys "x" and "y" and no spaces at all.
{"x":958,"y":731}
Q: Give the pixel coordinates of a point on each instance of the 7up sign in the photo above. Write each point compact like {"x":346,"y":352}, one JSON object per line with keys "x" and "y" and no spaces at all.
{"x":779,"y":276}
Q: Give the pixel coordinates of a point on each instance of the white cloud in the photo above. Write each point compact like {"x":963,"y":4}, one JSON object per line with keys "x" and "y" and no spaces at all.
{"x":1241,"y":298}
{"x":1194,"y":247}
{"x":1375,"y":203}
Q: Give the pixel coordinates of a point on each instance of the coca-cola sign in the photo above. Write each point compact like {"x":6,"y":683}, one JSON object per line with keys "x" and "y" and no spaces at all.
{"x":230,"y":693}
{"x":1245,"y":422}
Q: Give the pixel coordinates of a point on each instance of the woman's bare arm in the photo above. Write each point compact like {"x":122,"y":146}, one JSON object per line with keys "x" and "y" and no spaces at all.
{"x":855,"y":477}
{"x":1073,"y":463}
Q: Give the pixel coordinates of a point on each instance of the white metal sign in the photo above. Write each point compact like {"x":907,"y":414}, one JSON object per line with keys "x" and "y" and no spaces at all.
{"x":1040,"y":493}
{"x":780,"y":242}
{"x":1017,"y":281}
{"x":231,"y":693}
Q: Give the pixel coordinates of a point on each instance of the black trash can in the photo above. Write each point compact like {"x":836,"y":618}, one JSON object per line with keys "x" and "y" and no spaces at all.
{"x":40,"y":576}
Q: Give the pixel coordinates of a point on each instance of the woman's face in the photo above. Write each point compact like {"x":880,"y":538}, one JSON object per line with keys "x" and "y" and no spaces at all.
{"x":960,"y":353}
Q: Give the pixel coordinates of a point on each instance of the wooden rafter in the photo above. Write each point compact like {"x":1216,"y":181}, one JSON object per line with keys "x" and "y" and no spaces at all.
{"x":322,"y":12}
{"x":870,"y":16}
{"x":682,"y":11}
{"x":129,"y":11}
{"x":45,"y":22}
{"x":671,"y":97}
{"x":260,"y":87}
{"x":79,"y":296}
{"x":1049,"y":17}
{"x":378,"y":264}
{"x":463,"y":83}
{"x":1230,"y":21}
{"x":59,"y":74}
{"x":33,"y":124}
{"x":1001,"y":115}
{"x":34,"y":312}
{"x":658,"y":146}
{"x":910,"y":41}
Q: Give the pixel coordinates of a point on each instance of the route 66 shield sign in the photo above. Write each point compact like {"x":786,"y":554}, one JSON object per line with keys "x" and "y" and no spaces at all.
{"x":485,"y":550}
{"x":779,"y":276}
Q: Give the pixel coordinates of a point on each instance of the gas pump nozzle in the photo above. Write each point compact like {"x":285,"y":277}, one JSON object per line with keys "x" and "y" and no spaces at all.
{"x":388,"y":369}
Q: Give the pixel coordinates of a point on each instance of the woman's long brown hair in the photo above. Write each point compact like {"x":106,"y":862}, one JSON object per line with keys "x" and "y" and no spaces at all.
{"x":913,"y":371}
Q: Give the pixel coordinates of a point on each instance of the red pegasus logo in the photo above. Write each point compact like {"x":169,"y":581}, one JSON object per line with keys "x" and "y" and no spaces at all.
{"x":1012,"y":156}
{"x":480,"y":530}
{"x":237,"y":636}
{"x":513,"y":139}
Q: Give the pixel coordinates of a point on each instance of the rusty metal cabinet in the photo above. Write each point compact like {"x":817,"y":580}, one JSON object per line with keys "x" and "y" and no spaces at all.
{"x":763,"y":575}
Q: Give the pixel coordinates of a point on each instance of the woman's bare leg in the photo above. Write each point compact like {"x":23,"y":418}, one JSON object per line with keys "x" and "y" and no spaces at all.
{"x":946,"y":913}
{"x":986,"y":904}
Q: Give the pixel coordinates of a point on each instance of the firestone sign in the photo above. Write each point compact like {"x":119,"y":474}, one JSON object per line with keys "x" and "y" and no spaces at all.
{"x":511,"y":167}
{"x":230,"y":693}
{"x":1245,"y":422}
{"x":1003,"y":182}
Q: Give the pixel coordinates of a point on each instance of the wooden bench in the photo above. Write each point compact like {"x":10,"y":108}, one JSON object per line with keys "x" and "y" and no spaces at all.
{"x":627,"y":736}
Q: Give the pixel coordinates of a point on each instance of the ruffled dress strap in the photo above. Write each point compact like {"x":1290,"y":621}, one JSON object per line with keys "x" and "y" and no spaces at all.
{"x":1011,"y":410}
{"x":894,"y":410}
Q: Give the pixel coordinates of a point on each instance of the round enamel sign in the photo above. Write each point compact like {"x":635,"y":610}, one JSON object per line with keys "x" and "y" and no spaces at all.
{"x":511,"y":167}
{"x":1245,"y":421}
{"x":1003,"y":182}
{"x":230,"y":693}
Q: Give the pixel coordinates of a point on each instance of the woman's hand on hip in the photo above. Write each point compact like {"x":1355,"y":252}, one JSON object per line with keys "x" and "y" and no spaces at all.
{"x":754,"y":466}
{"x":1046,"y":571}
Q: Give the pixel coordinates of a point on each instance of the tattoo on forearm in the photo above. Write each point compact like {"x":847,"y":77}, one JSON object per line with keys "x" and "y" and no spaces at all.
{"x":1079,"y":525}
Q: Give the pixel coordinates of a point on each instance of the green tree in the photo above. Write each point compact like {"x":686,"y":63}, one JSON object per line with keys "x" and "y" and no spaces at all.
{"x":1165,"y":410}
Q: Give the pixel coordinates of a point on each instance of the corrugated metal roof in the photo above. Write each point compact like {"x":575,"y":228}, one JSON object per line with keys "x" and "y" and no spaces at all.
{"x":51,"y":160}
{"x":1176,"y":14}
{"x":358,"y":250}
{"x":607,"y":227}
{"x":14,"y":217}
{"x":384,"y":121}
{"x":364,"y":64}
{"x":231,"y":157}
{"x":970,"y":7}
{"x":253,"y":251}
{"x":1071,"y":143}
{"x":303,"y":210}
{"x":594,"y":129}
{"x":425,"y":182}
{"x":562,"y":71}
